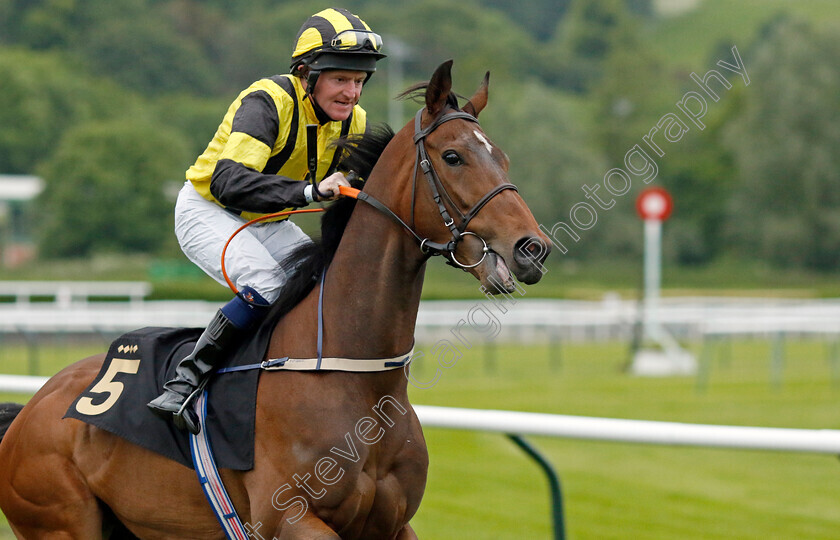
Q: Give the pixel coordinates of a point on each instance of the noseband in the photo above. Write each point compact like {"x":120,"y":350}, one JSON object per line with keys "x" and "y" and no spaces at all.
{"x":439,"y":194}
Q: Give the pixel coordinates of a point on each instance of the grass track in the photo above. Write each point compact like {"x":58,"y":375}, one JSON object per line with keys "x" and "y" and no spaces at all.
{"x":481,"y":486}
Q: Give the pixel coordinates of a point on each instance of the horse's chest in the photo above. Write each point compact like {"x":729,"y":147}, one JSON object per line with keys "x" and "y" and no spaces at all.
{"x":381,"y":496}
{"x":360,"y":466}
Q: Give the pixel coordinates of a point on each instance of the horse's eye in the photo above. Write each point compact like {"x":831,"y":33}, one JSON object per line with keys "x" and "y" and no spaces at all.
{"x":452,"y":158}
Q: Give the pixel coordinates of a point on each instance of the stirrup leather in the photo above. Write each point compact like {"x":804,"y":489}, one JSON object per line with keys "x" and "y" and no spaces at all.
{"x":186,"y":417}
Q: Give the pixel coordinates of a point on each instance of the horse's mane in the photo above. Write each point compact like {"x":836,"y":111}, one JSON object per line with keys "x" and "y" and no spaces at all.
{"x":303,"y":267}
{"x":417,"y":93}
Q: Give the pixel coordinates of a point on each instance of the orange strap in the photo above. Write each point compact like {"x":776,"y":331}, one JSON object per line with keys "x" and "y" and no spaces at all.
{"x":257,"y":220}
{"x":348,"y":191}
{"x":344,"y":190}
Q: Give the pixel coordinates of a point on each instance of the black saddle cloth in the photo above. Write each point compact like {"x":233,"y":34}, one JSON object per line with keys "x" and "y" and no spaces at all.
{"x":137,"y":365}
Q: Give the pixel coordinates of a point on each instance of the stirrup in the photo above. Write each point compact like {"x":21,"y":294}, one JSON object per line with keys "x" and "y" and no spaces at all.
{"x":183,"y":418}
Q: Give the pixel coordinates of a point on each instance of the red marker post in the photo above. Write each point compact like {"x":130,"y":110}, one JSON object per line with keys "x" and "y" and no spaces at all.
{"x":654,"y":206}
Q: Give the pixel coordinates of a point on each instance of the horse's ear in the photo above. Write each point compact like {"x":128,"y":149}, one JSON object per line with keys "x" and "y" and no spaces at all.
{"x":477,"y":103}
{"x":439,"y":87}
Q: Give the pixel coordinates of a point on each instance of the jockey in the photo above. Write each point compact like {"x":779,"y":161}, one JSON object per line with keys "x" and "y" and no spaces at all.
{"x":257,"y":164}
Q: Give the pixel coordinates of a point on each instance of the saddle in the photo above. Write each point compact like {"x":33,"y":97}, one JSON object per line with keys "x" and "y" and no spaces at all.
{"x":133,"y":373}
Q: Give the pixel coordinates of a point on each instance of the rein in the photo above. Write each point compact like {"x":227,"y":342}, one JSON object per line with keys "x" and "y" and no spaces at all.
{"x":458,"y":231}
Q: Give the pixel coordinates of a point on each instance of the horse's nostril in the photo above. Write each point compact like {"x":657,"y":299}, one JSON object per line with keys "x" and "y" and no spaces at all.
{"x":530,"y":250}
{"x":529,"y":253}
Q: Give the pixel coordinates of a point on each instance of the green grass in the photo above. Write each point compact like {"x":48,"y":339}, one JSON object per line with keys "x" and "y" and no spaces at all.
{"x":481,"y":486}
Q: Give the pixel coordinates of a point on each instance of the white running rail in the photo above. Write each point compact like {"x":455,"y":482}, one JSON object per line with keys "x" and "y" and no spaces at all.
{"x":823,"y":441}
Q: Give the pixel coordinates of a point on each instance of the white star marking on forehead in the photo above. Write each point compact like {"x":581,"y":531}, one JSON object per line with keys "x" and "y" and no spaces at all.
{"x":484,"y":141}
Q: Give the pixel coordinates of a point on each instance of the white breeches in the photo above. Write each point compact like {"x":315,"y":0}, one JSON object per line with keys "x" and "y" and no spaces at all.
{"x":202,"y":228}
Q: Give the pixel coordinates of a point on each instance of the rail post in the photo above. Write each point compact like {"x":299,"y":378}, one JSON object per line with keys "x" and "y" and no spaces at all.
{"x":557,"y":520}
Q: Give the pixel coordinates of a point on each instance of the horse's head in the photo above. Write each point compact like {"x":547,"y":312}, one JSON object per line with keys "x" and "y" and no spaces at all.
{"x":464,"y":198}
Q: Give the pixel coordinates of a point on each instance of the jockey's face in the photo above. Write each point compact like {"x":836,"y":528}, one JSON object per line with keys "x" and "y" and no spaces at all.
{"x":338,"y":91}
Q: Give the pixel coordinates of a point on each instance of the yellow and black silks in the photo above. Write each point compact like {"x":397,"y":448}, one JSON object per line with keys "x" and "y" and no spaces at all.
{"x":257,"y":161}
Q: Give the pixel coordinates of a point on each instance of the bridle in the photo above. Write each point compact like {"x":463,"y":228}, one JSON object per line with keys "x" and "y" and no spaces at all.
{"x":440,"y":194}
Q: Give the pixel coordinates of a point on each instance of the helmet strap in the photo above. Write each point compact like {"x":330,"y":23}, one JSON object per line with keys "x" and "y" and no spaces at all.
{"x":310,"y":76}
{"x":320,"y":114}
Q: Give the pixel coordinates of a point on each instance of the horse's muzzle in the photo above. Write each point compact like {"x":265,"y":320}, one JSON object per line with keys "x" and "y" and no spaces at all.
{"x":529,"y":256}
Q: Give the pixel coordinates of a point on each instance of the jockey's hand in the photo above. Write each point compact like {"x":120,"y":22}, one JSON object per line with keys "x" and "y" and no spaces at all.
{"x":329,"y":186}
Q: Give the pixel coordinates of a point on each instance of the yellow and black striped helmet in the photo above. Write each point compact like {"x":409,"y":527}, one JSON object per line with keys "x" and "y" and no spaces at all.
{"x":336,"y":39}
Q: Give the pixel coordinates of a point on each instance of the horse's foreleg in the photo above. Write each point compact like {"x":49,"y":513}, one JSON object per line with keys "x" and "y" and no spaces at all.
{"x":43,"y":494}
{"x":406,"y":533}
{"x":35,"y":519}
{"x":309,"y":527}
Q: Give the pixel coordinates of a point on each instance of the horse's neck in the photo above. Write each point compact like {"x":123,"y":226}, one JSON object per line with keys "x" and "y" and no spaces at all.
{"x":373,"y":286}
{"x":372,"y":290}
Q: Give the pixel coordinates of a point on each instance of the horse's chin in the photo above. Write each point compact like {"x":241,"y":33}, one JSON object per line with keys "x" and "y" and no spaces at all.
{"x":495,"y":275}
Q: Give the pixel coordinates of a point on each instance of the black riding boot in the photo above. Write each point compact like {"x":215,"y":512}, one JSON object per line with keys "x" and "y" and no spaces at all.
{"x":192,"y":373}
{"x":211,"y":349}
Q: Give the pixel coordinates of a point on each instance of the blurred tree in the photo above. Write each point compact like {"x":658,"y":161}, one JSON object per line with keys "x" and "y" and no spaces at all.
{"x":539,"y":17}
{"x":41,"y":95}
{"x":272,"y":34}
{"x":149,"y":56}
{"x":240,"y":48}
{"x":48,"y":24}
{"x":195,"y":118}
{"x":54,"y":24}
{"x":584,"y":39}
{"x":240,"y":6}
{"x":128,"y":40}
{"x":436,"y":29}
{"x":635,"y":91}
{"x":786,"y":144}
{"x":105,"y":189}
{"x":641,"y":7}
{"x":699,"y":176}
{"x":700,"y":173}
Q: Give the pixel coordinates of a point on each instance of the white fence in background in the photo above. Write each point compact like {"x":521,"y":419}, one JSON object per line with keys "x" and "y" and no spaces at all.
{"x":107,"y":317}
{"x":67,"y":293}
{"x":686,"y":317}
{"x":500,"y":320}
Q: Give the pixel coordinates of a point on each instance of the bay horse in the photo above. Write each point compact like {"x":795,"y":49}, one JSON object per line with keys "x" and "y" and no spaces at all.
{"x":67,"y":479}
